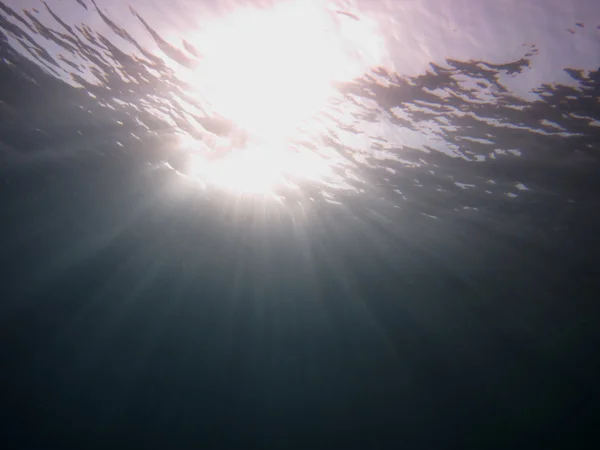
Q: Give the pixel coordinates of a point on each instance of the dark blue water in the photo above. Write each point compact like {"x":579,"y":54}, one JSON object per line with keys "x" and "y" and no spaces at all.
{"x":435,"y":286}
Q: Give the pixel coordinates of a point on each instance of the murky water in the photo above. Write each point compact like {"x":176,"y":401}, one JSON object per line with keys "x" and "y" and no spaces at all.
{"x":370,"y":219}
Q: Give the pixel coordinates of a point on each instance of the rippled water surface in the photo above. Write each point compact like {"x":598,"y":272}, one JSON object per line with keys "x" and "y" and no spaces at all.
{"x":303,"y":222}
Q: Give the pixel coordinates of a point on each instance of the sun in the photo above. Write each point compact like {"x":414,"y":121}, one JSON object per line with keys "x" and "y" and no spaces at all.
{"x":268,"y":69}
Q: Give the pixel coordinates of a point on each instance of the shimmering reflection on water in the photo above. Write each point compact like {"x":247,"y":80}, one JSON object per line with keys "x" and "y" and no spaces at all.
{"x":286,"y":95}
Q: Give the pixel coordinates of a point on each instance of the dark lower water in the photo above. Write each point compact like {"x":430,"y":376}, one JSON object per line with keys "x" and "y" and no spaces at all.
{"x":438,"y":288}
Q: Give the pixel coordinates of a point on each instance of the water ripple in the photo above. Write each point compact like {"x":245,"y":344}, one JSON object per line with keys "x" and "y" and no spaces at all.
{"x":457,"y":137}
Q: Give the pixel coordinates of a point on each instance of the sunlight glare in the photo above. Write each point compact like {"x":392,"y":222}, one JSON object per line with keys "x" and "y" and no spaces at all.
{"x":259,"y":169}
{"x":268,"y":69}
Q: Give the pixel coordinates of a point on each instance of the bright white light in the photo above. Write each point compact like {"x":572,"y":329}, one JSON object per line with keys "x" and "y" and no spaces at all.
{"x":258,"y":169}
{"x":268,"y":69}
